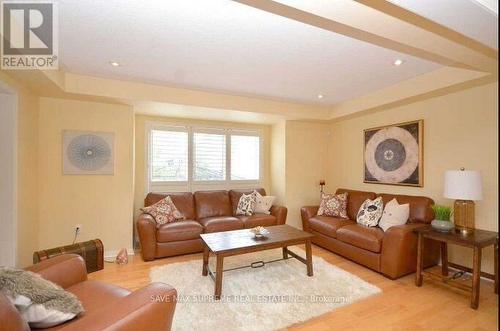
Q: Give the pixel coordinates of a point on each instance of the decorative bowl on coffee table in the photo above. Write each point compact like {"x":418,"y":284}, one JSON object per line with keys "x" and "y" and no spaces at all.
{"x":259,"y":232}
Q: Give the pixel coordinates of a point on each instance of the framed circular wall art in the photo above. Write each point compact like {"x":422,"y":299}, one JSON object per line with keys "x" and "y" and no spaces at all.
{"x":88,"y":153}
{"x":393,"y":154}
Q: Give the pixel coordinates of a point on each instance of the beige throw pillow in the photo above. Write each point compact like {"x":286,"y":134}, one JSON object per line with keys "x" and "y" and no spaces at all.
{"x":394,"y":214}
{"x":263,"y":203}
{"x":164,"y":211}
{"x":333,"y":205}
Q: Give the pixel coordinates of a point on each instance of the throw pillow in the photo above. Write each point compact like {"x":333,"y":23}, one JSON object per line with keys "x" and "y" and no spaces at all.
{"x":263,"y":203}
{"x":333,"y":205}
{"x":246,"y":204}
{"x":394,"y":214}
{"x":41,"y":303}
{"x":164,"y":211}
{"x":370,"y":212}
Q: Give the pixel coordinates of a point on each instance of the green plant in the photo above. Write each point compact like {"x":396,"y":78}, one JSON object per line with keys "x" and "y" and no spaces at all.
{"x":442,"y":213}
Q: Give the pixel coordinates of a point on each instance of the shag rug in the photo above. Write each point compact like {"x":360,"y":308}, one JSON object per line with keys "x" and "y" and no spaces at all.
{"x":268,"y":298}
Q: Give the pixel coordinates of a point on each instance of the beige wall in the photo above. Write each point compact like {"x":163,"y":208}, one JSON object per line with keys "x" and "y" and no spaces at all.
{"x":306,"y":162}
{"x":102,"y":204}
{"x":278,"y":170}
{"x":460,"y":130}
{"x":299,"y":152}
{"x":27,"y":176}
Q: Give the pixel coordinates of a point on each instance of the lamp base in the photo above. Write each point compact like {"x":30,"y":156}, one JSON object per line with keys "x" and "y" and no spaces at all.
{"x":464,"y":216}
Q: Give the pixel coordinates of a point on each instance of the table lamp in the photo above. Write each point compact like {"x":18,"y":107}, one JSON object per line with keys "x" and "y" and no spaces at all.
{"x":464,"y":186}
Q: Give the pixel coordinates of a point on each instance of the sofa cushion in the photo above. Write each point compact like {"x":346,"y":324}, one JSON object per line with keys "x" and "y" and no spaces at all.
{"x":235,"y":195}
{"x":420,"y":207}
{"x":184,"y":202}
{"x":221,"y":223}
{"x":176,"y":231}
{"x":258,"y":220}
{"x":354,"y":200}
{"x":362,"y":237}
{"x":212,"y":203}
{"x":328,"y":225}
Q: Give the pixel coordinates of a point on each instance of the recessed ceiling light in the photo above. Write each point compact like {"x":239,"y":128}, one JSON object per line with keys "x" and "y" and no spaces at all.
{"x":398,"y":62}
{"x":320,"y":96}
{"x":114,"y":63}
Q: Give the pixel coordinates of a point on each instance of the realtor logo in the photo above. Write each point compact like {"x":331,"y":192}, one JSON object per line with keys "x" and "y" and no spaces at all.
{"x":29,"y":35}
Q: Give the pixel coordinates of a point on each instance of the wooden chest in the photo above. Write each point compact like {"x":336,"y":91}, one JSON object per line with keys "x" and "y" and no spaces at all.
{"x":91,"y":251}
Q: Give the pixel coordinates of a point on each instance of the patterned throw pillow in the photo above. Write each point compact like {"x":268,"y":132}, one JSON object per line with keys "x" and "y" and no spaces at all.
{"x":164,"y":211}
{"x":333,"y":205}
{"x":246,"y":205}
{"x":370,"y":212}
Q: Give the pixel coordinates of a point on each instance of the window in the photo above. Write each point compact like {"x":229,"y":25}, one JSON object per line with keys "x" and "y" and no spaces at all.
{"x":209,"y":156}
{"x":245,"y":157}
{"x":169,"y":156}
{"x":186,"y":158}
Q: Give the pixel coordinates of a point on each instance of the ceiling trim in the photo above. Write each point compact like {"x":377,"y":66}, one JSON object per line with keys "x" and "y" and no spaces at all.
{"x":488,"y":79}
{"x":422,"y":22}
{"x":440,"y":50}
{"x":135,"y":91}
{"x":419,"y":85}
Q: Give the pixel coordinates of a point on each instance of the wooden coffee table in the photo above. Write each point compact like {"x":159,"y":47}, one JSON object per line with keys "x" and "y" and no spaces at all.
{"x":238,"y":242}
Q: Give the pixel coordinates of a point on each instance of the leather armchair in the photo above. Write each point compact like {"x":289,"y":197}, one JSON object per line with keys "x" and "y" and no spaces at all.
{"x":107,"y":307}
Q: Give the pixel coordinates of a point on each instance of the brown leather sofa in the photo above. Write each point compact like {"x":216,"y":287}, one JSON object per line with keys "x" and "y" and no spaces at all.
{"x":392,"y":253}
{"x":205,"y":212}
{"x":107,"y":307}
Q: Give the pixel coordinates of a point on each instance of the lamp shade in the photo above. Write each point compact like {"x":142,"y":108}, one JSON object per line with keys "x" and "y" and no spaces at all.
{"x":463,"y":185}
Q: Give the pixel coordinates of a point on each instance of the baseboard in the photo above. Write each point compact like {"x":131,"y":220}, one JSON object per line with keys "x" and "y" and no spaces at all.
{"x":111,"y":254}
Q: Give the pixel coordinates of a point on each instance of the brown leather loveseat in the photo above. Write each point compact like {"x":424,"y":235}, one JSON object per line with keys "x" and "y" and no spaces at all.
{"x":392,"y":253}
{"x":204,"y":212}
{"x":107,"y":307}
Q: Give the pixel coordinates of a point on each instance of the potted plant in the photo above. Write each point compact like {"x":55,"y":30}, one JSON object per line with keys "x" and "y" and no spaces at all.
{"x":442,"y":218}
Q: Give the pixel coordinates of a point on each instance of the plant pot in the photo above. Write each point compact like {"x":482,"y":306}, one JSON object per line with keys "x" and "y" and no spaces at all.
{"x":443,"y":226}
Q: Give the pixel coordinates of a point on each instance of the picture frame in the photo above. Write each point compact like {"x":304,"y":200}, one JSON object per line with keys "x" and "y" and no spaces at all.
{"x":393,"y":154}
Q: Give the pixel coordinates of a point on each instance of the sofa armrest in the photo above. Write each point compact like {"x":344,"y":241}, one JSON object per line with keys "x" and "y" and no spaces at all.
{"x":280,"y":213}
{"x":64,"y":270}
{"x":146,"y":228}
{"x":306,"y":213}
{"x":149,"y":308}
{"x":399,"y":251}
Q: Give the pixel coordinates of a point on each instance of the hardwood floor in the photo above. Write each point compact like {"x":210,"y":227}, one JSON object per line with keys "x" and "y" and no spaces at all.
{"x":400,"y":306}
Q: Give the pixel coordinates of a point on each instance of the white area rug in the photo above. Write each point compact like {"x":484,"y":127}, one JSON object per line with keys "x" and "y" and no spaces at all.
{"x":268,"y":298}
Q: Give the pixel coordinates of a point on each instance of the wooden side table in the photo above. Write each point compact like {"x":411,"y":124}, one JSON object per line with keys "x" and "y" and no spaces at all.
{"x":476,"y":240}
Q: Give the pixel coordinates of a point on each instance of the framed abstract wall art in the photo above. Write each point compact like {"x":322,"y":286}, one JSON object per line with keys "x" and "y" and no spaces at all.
{"x":393,"y":154}
{"x":88,"y":153}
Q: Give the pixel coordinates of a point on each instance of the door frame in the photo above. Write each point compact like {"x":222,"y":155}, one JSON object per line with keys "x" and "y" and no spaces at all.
{"x":9,"y":91}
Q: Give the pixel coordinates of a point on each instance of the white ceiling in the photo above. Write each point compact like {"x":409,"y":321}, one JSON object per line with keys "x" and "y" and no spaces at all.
{"x":475,"y":19}
{"x":223,"y":46}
